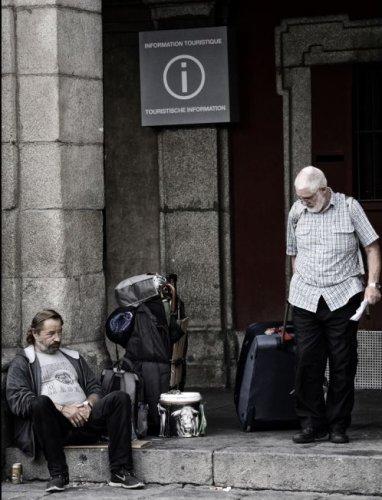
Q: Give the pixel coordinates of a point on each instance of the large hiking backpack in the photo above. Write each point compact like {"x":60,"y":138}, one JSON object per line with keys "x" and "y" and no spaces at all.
{"x":145,"y":325}
{"x":135,"y":290}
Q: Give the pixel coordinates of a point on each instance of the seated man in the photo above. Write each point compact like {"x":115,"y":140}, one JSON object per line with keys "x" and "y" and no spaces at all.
{"x":57,"y":400}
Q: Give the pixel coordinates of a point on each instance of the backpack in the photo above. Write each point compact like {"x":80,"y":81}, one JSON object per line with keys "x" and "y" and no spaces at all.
{"x":117,"y":379}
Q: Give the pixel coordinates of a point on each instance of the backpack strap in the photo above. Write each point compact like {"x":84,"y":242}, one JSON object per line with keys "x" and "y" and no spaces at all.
{"x":349,"y":203}
{"x":107,"y":378}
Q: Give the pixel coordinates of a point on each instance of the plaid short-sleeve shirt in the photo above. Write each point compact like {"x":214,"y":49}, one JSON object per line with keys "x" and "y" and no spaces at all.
{"x":326,"y":248}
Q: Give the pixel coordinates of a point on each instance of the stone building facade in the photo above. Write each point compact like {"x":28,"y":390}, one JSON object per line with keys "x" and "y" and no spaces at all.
{"x":52,"y":187}
{"x":90,"y":197}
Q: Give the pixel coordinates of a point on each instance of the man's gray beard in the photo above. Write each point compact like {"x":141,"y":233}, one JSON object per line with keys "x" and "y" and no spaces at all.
{"x":47,"y":350}
{"x":319,"y":206}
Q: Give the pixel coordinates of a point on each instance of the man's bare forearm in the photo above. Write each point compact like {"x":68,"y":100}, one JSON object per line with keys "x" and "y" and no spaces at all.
{"x":93,"y":398}
{"x":293,"y":263}
{"x":373,"y":254}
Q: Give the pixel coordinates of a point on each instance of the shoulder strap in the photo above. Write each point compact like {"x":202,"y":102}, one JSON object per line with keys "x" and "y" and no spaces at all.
{"x":349,"y":203}
{"x":298,"y":211}
{"x":107,"y":380}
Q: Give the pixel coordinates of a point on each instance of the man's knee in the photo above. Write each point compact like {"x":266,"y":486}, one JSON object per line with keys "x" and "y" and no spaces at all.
{"x":118,"y":399}
{"x":120,"y":396}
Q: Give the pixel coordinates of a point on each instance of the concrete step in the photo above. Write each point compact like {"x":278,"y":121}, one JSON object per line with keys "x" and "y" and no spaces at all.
{"x":269,"y":461}
{"x":228,"y":457}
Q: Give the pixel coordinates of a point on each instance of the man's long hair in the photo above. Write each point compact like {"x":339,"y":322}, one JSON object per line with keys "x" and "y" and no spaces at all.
{"x":38,"y":323}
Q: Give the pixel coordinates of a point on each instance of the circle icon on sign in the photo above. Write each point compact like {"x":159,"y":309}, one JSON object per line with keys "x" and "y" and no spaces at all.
{"x":183,"y":76}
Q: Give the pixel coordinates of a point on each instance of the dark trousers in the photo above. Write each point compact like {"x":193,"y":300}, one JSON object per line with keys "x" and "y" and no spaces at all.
{"x":320,"y":336}
{"x":111,"y":415}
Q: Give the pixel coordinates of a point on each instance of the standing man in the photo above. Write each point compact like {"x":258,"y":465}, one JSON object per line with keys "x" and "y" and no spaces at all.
{"x":56,"y":401}
{"x":323,"y":237}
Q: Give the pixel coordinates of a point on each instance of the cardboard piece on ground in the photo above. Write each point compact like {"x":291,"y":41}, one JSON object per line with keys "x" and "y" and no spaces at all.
{"x":136,"y":444}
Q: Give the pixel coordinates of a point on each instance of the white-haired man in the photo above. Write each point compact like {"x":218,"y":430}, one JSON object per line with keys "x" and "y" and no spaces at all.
{"x":323,"y":237}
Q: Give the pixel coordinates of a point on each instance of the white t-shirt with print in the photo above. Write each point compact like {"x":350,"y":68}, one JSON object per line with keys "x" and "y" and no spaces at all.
{"x":59,"y":379}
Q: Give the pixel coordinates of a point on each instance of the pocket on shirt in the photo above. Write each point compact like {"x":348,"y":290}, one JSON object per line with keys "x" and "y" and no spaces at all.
{"x":302,"y":229}
{"x":345,"y":236}
{"x":345,"y":230}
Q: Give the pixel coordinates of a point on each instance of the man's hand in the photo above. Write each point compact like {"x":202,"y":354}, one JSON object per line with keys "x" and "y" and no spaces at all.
{"x":372,"y":295}
{"x":373,"y":253}
{"x":76,"y":414}
{"x":85,"y":411}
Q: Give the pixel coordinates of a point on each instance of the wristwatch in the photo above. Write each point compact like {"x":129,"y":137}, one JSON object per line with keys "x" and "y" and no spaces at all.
{"x":88,"y":403}
{"x":378,"y":286}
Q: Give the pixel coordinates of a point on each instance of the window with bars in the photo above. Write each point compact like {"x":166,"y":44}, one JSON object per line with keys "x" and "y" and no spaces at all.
{"x":367,"y":126}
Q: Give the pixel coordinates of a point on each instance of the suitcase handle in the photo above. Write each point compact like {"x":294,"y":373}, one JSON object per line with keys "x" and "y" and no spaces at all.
{"x":284,"y":335}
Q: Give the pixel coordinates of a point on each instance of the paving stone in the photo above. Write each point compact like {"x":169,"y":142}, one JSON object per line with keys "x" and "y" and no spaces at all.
{"x":80,"y":301}
{"x":36,"y":490}
{"x":188,"y":168}
{"x":192,"y":251}
{"x":9,"y":246}
{"x":61,"y":108}
{"x":7,"y":41}
{"x":205,"y":345}
{"x":81,"y":108}
{"x":8,"y":108}
{"x":10,"y":311}
{"x":79,"y":43}
{"x":59,"y":41}
{"x":59,"y":243}
{"x":62,"y":176}
{"x":91,"y":5}
{"x":37,"y":41}
{"x":162,"y":466}
{"x":9,"y":176}
{"x":336,"y":471}
{"x":209,"y":373}
{"x":39,"y":108}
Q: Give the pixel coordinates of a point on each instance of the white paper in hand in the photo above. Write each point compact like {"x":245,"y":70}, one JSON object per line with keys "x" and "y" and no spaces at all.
{"x":359,"y":311}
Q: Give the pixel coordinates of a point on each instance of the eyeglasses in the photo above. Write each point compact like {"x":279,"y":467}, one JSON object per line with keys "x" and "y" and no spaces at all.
{"x":307,"y":198}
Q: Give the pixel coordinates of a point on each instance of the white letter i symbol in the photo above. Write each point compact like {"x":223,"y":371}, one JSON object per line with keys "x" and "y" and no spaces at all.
{"x":184,"y":78}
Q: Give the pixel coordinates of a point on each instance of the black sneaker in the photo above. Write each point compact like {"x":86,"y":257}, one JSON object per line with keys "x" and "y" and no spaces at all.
{"x":309,"y":435}
{"x":125,"y":479}
{"x":57,"y":483}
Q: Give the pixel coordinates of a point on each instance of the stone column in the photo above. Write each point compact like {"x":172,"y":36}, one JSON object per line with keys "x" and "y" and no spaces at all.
{"x":53,"y":192}
{"x":195,"y":223}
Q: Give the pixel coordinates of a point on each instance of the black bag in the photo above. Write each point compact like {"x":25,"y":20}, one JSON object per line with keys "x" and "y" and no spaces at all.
{"x":120,"y":325}
{"x":117,"y":379}
{"x":264,"y":388}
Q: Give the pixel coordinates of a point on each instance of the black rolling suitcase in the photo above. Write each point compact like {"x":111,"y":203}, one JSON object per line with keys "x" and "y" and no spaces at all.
{"x":264,"y":388}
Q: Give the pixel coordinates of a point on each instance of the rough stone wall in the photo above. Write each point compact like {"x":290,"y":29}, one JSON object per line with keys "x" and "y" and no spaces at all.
{"x":52,"y":176}
{"x":131,"y":169}
{"x":193,"y":243}
{"x":195,"y":222}
{"x":167,"y":195}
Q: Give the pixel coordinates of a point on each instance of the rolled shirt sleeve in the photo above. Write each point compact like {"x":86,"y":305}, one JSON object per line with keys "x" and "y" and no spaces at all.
{"x":362,"y":226}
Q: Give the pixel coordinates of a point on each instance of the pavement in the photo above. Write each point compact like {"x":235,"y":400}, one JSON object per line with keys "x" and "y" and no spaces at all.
{"x":229,"y":463}
{"x":36,"y":490}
